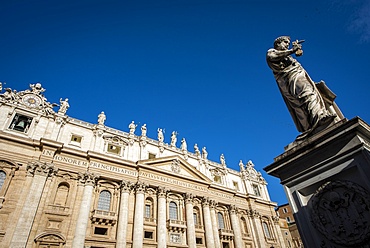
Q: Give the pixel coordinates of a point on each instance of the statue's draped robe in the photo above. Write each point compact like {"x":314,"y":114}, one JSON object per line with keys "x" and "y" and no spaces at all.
{"x":306,"y":104}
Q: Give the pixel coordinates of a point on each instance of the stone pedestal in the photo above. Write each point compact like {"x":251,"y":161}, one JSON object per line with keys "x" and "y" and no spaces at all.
{"x":327,"y":181}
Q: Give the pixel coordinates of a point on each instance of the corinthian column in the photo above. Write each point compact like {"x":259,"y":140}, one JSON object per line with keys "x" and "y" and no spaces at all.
{"x":235,"y":224}
{"x":39,"y":171}
{"x":208,"y":223}
{"x":257,"y":231}
{"x":216,"y":237}
{"x":137,"y":241}
{"x":190,"y":220}
{"x":89,"y":180}
{"x":161,"y":228}
{"x":123,"y":215}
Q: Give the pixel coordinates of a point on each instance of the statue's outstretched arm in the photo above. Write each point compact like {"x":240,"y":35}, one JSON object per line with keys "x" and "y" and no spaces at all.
{"x":275,"y":55}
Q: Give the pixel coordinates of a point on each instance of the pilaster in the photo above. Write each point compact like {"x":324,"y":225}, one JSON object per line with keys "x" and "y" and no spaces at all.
{"x":39,"y":171}
{"x":88,"y":179}
{"x":210,"y":242}
{"x":190,"y":220}
{"x":126,"y":188}
{"x":162,"y":210}
{"x":137,"y":241}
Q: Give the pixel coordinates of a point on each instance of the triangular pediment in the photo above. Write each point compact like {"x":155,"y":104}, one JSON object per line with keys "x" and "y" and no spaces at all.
{"x":175,"y":165}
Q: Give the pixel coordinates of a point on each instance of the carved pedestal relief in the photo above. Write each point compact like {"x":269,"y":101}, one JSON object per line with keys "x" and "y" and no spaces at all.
{"x":340,"y":210}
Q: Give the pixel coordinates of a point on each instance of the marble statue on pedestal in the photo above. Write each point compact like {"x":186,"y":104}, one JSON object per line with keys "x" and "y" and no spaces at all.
{"x":101,"y":118}
{"x":64,"y":105}
{"x":310,"y":104}
{"x":132,"y":127}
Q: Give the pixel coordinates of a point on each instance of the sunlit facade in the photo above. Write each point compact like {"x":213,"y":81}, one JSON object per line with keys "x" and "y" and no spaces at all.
{"x":68,"y":183}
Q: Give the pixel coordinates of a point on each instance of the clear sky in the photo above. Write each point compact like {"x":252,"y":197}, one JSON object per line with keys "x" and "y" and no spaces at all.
{"x":193,"y":66}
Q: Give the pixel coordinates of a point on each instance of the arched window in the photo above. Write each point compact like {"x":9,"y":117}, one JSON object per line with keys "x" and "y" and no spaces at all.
{"x":173,"y":211}
{"x":2,"y":178}
{"x":244,"y":225}
{"x":149,"y":208}
{"x":104,"y":200}
{"x":221,"y":222}
{"x":266,"y":230}
{"x":196,"y":216}
{"x":62,"y":194}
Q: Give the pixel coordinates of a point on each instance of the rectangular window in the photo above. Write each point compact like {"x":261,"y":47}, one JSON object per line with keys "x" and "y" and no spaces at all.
{"x":21,"y":123}
{"x":148,"y":211}
{"x":217,"y":179}
{"x":114,"y":149}
{"x":101,"y":231}
{"x":285,"y":210}
{"x":151,"y":155}
{"x":236,"y":185}
{"x":148,"y":235}
{"x":76,"y":140}
{"x":225,"y":245}
{"x":195,"y":217}
{"x":198,"y":241}
{"x":256,"y":190}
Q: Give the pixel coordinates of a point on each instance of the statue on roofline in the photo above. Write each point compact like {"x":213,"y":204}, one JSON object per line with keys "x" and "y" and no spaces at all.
{"x":310,"y":104}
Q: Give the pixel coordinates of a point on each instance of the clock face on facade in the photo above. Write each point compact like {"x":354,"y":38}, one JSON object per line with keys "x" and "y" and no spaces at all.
{"x":31,"y":100}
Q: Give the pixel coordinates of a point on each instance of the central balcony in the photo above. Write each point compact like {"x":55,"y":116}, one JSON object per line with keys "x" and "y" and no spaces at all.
{"x":176,"y":225}
{"x":226,"y":234}
{"x":103,"y":217}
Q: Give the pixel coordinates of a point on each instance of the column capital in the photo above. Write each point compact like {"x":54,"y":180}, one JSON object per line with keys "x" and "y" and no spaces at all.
{"x":253,"y":213}
{"x":126,"y":186}
{"x":233,"y":209}
{"x":41,"y":168}
{"x":162,"y":192}
{"x":188,"y":198}
{"x":88,"y":178}
{"x":140,"y":187}
{"x":213,"y":204}
{"x":275,"y":219}
{"x":206,"y":202}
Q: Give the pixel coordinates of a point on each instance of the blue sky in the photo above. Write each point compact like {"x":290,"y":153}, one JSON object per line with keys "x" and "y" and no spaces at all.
{"x":195,"y":67}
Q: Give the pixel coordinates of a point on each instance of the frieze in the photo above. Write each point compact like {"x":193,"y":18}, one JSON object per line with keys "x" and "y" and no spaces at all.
{"x":172,"y":181}
{"x":68,"y":160}
{"x":113,"y":169}
{"x":152,"y":176}
{"x":340,"y":211}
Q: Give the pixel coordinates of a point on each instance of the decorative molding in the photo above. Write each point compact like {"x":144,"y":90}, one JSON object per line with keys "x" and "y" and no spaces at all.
{"x":175,"y":166}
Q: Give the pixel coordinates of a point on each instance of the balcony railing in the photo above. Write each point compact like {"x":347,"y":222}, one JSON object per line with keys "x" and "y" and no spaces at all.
{"x":57,"y":209}
{"x":176,"y":225}
{"x":149,"y":219}
{"x":103,"y":217}
{"x":226,"y":234}
{"x":198,"y":226}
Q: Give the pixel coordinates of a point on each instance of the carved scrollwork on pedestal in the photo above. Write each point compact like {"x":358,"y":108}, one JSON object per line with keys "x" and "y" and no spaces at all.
{"x":340,"y":210}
